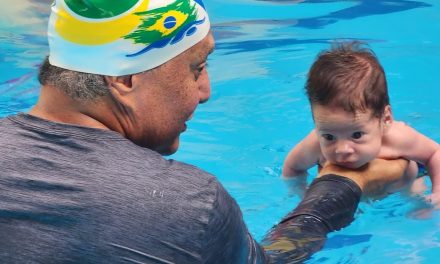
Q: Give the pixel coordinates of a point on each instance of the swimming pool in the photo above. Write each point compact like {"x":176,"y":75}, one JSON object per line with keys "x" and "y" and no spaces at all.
{"x":258,"y":110}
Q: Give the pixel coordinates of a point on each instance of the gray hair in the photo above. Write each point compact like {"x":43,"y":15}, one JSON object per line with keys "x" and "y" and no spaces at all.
{"x":77,"y":85}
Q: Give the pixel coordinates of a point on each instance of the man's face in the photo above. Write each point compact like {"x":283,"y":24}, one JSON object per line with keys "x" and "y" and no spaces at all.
{"x":168,"y":97}
{"x":346,"y":139}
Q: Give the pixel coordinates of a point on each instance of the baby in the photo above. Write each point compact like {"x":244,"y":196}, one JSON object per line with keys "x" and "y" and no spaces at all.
{"x":347,"y":90}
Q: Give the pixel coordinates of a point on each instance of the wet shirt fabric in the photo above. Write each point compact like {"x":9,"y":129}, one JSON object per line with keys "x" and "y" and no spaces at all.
{"x":72,"y":194}
{"x":328,"y":205}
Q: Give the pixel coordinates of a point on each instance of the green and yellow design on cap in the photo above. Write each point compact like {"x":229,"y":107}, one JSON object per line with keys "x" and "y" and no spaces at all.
{"x":117,"y":37}
{"x":98,"y":9}
{"x":165,"y":25}
{"x":97,"y":22}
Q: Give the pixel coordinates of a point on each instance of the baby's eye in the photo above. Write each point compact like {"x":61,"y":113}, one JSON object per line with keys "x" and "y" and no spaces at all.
{"x":357,"y":135}
{"x":328,"y":137}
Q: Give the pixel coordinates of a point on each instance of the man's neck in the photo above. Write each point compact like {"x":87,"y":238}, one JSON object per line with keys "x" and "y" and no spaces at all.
{"x":56,"y":106}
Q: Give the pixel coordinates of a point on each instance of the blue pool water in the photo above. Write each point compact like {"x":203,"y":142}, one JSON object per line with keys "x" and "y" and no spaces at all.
{"x":258,"y":110}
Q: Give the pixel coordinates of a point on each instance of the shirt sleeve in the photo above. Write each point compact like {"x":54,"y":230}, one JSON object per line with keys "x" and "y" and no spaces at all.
{"x":228,"y":239}
{"x":328,"y":205}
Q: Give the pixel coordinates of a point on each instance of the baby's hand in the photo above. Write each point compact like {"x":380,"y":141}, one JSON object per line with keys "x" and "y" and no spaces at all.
{"x":434,"y":200}
{"x":429,"y":204}
{"x":418,"y":187}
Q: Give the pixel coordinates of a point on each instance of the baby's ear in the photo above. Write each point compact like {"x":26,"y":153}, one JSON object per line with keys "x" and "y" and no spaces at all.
{"x":387,"y":116}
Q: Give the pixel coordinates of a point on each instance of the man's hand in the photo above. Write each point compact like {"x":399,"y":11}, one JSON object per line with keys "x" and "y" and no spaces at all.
{"x":376,"y":178}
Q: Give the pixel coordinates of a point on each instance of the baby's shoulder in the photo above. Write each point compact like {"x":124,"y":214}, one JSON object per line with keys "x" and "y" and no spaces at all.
{"x":398,"y":132}
{"x":399,"y":128}
{"x":399,"y":124}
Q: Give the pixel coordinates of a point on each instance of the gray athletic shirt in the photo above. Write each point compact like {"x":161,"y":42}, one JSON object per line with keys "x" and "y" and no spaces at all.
{"x":72,"y":194}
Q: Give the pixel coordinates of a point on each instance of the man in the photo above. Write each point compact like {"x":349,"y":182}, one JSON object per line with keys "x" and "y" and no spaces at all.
{"x":83,"y":179}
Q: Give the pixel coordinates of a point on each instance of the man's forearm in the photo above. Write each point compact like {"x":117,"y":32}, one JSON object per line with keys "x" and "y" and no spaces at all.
{"x":328,"y":205}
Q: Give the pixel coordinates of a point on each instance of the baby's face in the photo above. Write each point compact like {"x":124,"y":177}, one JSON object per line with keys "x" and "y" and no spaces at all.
{"x":347,"y":139}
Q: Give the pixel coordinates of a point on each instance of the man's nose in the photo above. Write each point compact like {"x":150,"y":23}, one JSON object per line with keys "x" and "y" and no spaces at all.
{"x":204,"y":89}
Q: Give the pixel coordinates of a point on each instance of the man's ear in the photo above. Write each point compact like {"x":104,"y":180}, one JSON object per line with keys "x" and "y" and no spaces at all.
{"x":387,"y":116}
{"x":119,"y":85}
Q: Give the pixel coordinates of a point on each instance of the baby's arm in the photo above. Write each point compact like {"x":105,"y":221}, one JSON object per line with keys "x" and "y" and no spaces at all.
{"x":302,"y":157}
{"x":418,"y":147}
{"x":433,"y":165}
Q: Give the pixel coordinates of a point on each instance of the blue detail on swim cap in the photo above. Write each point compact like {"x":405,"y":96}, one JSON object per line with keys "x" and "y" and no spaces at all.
{"x":200,"y":2}
{"x":179,"y":36}
{"x":188,"y":30}
{"x":170,"y":22}
{"x":156,"y":45}
{"x":191,"y":31}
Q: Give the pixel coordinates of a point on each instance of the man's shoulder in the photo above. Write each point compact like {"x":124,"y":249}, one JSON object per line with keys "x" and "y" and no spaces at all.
{"x":5,"y":122}
{"x":190,"y":177}
{"x":179,"y":179}
{"x":8,"y":128}
{"x":179,"y":167}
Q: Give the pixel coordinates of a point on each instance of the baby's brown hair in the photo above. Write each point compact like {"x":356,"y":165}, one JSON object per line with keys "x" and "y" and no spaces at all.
{"x":348,"y":75}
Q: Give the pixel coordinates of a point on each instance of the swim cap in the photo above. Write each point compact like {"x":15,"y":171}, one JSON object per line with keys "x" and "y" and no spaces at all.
{"x":120,"y":37}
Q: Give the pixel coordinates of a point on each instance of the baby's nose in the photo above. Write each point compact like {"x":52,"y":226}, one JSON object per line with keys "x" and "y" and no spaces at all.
{"x":343,"y":148}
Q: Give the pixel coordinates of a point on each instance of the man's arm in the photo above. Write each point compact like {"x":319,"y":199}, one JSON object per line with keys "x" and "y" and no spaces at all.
{"x":376,"y":178}
{"x":329,"y":204}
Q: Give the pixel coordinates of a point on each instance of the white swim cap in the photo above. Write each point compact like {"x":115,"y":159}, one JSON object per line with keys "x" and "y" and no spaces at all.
{"x":120,"y":37}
